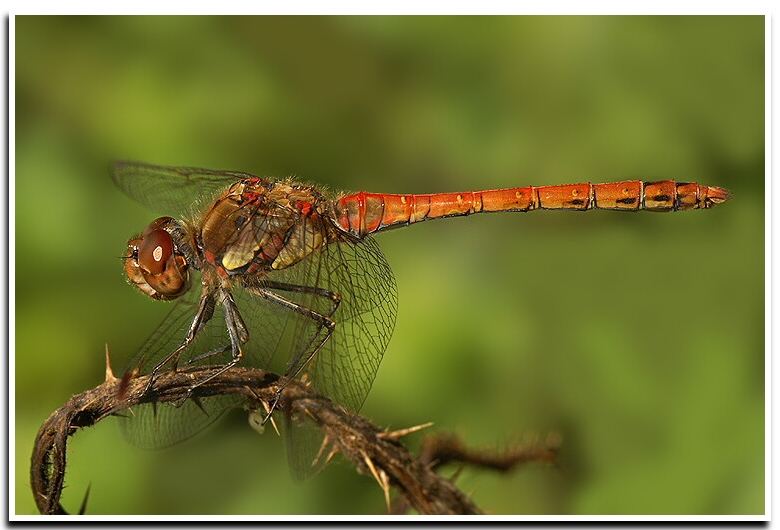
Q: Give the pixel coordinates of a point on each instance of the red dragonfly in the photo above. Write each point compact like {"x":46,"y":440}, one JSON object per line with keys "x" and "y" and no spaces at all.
{"x":291,"y":274}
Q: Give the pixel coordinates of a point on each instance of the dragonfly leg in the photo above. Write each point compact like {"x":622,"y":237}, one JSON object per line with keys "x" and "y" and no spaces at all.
{"x":295,"y":366}
{"x":202,"y":316}
{"x":238,"y":335}
{"x":335,"y":298}
{"x":224,"y":349}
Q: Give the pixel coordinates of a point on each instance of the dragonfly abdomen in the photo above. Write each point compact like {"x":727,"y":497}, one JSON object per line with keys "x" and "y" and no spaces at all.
{"x":365,"y":213}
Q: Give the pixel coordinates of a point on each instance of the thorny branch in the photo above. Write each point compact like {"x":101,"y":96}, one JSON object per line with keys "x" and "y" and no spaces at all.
{"x":370,"y":449}
{"x":440,"y":449}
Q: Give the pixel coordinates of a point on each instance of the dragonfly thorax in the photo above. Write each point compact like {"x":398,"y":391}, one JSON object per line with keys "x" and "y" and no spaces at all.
{"x":259,"y":225}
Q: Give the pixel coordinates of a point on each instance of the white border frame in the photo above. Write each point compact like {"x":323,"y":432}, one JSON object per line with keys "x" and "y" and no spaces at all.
{"x":403,"y":7}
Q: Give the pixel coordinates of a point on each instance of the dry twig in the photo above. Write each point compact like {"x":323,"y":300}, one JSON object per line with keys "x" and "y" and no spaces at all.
{"x":370,"y":449}
{"x":440,"y":449}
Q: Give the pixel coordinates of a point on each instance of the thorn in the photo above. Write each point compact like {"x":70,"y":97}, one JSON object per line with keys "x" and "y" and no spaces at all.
{"x":333,"y":452}
{"x":325,"y":441}
{"x":457,"y":473}
{"x":119,"y":415}
{"x":394,"y":435}
{"x":110,"y":377}
{"x":83,"y":507}
{"x":273,"y":424}
{"x":371,"y":468}
{"x":268,"y":412}
{"x":385,"y":487}
{"x":199,"y":404}
{"x":130,"y":410}
{"x":433,"y":464}
{"x":380,"y":477}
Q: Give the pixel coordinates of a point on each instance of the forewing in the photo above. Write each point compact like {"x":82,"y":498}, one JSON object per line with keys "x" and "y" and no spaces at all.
{"x":171,"y":190}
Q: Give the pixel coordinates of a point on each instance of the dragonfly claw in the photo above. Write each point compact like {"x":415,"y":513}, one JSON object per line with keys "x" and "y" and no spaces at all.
{"x":148,"y":385}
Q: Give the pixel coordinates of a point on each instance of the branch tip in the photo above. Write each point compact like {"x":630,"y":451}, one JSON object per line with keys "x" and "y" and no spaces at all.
{"x":400,"y":433}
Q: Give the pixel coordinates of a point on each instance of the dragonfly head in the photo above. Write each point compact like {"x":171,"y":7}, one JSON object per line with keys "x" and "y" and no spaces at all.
{"x":155,"y":264}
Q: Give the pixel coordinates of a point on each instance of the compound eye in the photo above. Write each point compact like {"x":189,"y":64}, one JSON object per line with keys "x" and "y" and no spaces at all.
{"x":155,"y":250}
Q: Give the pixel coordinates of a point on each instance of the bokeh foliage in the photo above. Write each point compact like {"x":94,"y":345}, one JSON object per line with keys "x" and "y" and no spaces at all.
{"x":639,"y":338}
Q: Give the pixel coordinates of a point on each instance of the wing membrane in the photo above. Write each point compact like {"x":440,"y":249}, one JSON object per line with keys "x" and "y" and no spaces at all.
{"x":345,"y":367}
{"x":163,"y":425}
{"x":171,"y":190}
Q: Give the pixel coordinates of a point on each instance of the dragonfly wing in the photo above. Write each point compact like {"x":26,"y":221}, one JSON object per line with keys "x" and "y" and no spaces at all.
{"x":345,"y":366}
{"x":171,"y":190}
{"x":304,"y":446}
{"x":163,"y":425}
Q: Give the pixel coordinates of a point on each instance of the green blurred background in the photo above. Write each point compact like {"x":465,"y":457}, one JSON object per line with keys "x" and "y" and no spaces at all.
{"x":639,"y":338}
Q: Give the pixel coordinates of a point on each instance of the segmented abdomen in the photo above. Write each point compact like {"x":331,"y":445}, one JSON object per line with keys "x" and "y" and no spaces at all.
{"x":364,"y":213}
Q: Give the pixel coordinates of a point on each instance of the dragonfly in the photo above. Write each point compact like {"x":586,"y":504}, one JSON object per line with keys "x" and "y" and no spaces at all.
{"x":276,"y":273}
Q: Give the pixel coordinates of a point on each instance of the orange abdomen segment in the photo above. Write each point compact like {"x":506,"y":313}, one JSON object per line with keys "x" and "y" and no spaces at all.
{"x":625,"y":195}
{"x":365,"y":213}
